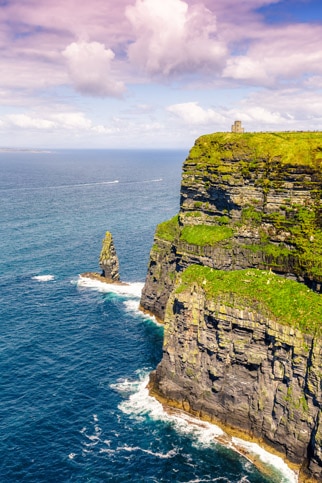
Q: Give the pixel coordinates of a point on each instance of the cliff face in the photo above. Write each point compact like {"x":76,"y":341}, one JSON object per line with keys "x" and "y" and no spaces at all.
{"x":248,"y":201}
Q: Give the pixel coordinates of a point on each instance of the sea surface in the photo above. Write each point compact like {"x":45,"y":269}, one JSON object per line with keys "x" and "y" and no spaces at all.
{"x":74,"y":354}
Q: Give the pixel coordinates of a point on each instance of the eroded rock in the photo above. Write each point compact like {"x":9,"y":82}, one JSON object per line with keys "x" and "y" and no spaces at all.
{"x":108,"y":260}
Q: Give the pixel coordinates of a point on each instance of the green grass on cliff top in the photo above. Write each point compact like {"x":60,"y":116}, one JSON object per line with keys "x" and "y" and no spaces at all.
{"x":304,"y":148}
{"x":288,"y":302}
{"x":168,"y":230}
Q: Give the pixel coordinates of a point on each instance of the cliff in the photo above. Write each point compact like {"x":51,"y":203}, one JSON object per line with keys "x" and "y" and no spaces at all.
{"x":233,"y":277}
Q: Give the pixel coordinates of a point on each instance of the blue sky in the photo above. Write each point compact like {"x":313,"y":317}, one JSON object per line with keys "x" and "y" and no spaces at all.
{"x":156,"y":73}
{"x":287,"y":11}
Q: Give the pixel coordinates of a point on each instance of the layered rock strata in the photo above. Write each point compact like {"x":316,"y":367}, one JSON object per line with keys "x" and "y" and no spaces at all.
{"x":108,"y":260}
{"x":248,"y":201}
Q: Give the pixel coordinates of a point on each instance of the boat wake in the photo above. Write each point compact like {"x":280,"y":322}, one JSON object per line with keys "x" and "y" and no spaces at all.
{"x":43,"y":278}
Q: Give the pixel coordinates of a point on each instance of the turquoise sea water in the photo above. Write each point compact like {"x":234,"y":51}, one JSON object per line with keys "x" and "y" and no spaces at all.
{"x":74,"y":355}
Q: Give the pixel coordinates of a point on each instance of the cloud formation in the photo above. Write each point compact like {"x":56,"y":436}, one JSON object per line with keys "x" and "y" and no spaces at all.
{"x":191,"y":113}
{"x":279,"y":53}
{"x":172,"y":37}
{"x":90,"y":69}
{"x":186,"y":66}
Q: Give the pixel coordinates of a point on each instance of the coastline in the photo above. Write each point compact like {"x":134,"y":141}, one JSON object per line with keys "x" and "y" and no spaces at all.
{"x":230,"y":437}
{"x":100,"y":278}
{"x":235,"y":440}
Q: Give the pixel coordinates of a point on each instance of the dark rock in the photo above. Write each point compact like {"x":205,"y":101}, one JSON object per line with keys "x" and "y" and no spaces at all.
{"x":231,"y":366}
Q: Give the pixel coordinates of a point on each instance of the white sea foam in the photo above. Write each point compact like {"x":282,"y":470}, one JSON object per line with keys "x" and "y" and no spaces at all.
{"x":124,"y":386}
{"x":130,"y":290}
{"x":141,"y":405}
{"x":287,"y":475}
{"x":170,"y":454}
{"x":43,"y":278}
{"x":91,"y":440}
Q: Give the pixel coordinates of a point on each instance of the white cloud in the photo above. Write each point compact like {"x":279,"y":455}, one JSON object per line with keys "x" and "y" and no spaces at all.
{"x":90,"y":69}
{"x":25,"y":121}
{"x":72,"y":120}
{"x":279,"y":53}
{"x":245,"y":68}
{"x":173,"y":37}
{"x":192,"y":113}
{"x":262,"y":115}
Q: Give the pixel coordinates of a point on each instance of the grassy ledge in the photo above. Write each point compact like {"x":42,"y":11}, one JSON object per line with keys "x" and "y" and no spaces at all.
{"x":300,"y":148}
{"x":288,"y":302}
{"x":203,"y":235}
{"x":168,"y":230}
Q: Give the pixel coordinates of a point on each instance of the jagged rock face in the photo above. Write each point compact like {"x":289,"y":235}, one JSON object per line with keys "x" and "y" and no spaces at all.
{"x":241,"y":369}
{"x":108,"y":260}
{"x":272,"y":209}
{"x":247,"y":201}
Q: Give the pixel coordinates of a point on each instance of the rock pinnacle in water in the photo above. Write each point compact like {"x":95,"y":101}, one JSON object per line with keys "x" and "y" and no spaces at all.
{"x":108,"y":259}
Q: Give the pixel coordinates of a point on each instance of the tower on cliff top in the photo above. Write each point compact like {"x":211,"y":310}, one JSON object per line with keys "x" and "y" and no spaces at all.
{"x":237,"y":127}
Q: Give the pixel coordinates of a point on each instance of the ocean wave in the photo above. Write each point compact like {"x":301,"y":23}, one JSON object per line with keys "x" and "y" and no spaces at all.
{"x":133,"y":307}
{"x":268,"y":459}
{"x":141,"y":405}
{"x":131,"y":290}
{"x":124,"y":386}
{"x":43,"y":278}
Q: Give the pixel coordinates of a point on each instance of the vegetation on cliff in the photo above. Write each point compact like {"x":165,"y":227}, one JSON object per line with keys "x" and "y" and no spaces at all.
{"x":276,"y":297}
{"x":266,"y":184}
{"x":301,"y":148}
{"x":235,"y":276}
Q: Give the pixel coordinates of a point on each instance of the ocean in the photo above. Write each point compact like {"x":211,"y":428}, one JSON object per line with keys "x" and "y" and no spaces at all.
{"x":75,"y":354}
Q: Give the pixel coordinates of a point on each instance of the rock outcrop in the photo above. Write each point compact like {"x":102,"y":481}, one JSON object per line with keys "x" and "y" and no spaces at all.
{"x":108,"y":260}
{"x":248,"y":202}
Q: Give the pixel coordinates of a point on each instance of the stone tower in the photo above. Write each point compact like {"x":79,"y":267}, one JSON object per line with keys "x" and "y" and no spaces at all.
{"x":237,"y":127}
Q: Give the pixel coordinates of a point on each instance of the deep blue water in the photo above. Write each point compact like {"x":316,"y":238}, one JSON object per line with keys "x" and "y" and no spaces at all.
{"x":74,"y":358}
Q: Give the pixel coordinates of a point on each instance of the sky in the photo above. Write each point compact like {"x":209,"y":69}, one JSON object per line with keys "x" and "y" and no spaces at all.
{"x":156,"y":73}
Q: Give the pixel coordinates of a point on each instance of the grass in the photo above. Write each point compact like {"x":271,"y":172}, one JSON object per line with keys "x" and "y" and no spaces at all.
{"x":288,"y":302}
{"x":203,"y":235}
{"x":168,"y":230}
{"x":304,"y":148}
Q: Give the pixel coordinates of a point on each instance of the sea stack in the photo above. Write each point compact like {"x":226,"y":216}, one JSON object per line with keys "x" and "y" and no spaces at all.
{"x":108,"y":260}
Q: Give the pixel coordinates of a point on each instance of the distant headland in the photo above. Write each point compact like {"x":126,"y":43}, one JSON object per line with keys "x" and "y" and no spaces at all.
{"x":24,"y":150}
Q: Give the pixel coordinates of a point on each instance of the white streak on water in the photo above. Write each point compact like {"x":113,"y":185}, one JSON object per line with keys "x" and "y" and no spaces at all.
{"x":80,"y":185}
{"x":43,"y":278}
{"x":61,"y":186}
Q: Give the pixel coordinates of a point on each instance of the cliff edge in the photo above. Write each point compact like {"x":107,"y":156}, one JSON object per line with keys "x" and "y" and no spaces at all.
{"x":236,"y":276}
